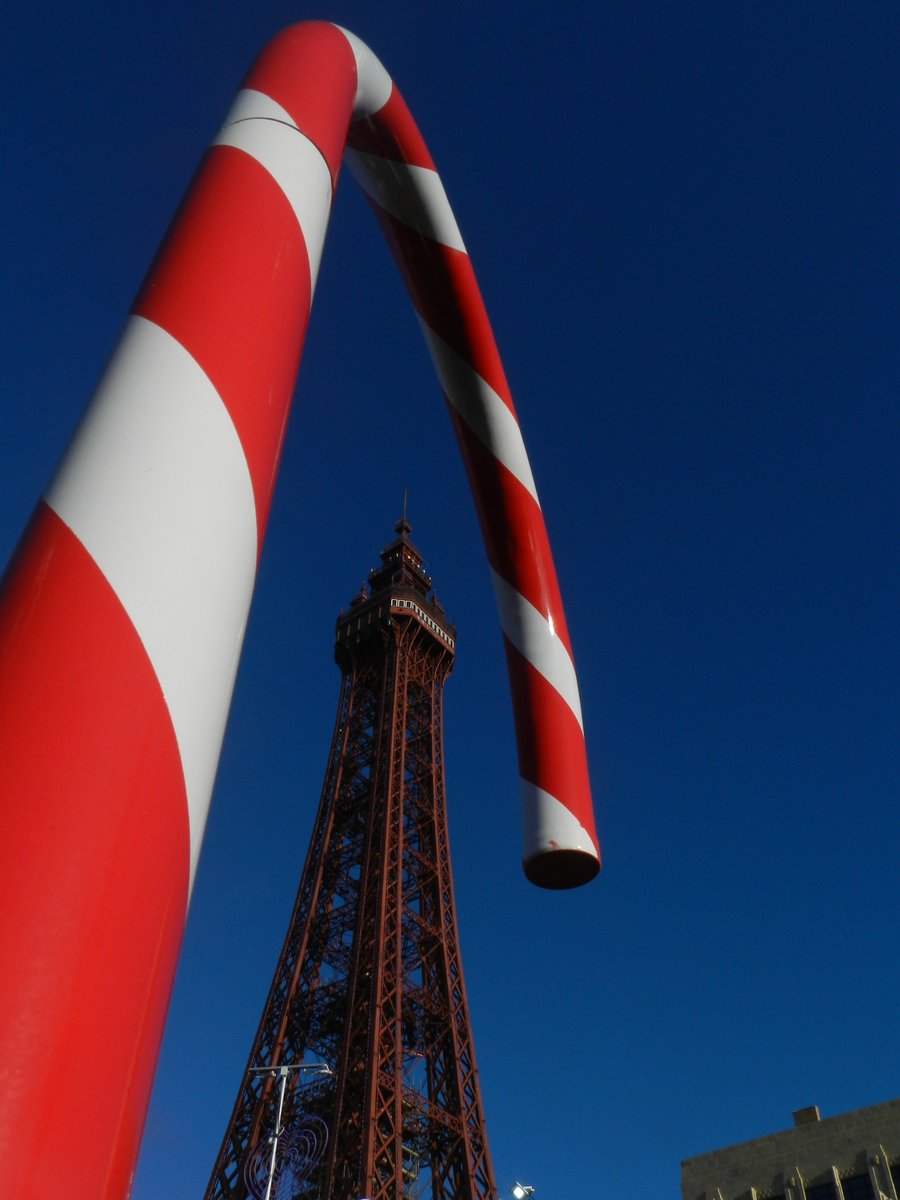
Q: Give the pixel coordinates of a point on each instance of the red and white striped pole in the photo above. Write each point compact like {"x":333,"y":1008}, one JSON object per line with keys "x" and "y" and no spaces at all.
{"x":123,"y":612}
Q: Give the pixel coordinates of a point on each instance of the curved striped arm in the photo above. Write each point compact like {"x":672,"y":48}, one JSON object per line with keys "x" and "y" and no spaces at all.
{"x":122,"y":616}
{"x":388,"y":156}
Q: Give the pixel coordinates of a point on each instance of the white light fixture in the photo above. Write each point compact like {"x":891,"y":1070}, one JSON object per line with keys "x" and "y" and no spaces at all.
{"x":281,"y":1071}
{"x":521,"y":1191}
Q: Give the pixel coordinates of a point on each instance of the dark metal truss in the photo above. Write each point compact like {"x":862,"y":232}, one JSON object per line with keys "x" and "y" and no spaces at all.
{"x":370,"y":980}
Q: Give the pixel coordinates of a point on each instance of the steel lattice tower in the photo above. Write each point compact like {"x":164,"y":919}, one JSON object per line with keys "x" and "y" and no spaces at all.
{"x":370,"y":978}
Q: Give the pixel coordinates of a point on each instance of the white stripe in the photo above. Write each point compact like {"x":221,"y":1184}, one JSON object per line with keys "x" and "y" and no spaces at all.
{"x":251,"y":105}
{"x":534,"y":637}
{"x":156,"y":487}
{"x":548,"y":825}
{"x":264,"y":130}
{"x":414,"y":195}
{"x":481,"y":408}
{"x":373,"y":84}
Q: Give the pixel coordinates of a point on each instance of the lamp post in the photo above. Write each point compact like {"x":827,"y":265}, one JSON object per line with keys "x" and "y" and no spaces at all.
{"x":282,"y":1072}
{"x":522,"y":1191}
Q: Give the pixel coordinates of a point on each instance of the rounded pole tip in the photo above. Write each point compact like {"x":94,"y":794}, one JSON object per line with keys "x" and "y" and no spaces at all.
{"x":558,"y":870}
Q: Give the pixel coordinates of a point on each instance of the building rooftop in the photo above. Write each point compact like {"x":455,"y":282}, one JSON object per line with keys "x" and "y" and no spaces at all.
{"x":806,"y":1162}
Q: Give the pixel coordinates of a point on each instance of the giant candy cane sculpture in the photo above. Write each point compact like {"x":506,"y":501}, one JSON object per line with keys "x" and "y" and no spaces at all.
{"x":123,"y":612}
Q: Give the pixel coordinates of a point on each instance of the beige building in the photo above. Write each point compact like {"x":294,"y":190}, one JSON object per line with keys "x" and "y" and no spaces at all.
{"x":855,"y":1156}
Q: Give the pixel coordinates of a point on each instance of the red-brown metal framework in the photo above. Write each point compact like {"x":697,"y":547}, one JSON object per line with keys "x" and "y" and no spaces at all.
{"x":370,"y":979}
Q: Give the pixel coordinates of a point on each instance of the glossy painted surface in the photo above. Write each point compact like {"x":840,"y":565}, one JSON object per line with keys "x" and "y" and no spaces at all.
{"x":392,"y":163}
{"x":123,"y":615}
{"x":93,"y":890}
{"x":156,"y":490}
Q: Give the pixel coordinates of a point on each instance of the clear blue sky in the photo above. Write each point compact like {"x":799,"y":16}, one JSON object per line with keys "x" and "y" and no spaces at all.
{"x":684,"y":220}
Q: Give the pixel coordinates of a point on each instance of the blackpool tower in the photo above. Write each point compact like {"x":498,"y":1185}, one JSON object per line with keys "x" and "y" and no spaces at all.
{"x":361,"y":1080}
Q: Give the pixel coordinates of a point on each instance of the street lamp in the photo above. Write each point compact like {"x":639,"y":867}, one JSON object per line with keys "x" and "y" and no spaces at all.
{"x":282,"y":1072}
{"x":521,"y":1191}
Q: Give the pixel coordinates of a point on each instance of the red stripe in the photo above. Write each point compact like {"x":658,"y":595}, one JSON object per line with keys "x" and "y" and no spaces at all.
{"x":231,"y":284}
{"x":392,"y":133}
{"x":310,"y":70}
{"x":93,"y":886}
{"x":513,"y":529}
{"x":444,"y":290}
{"x":551,"y":746}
